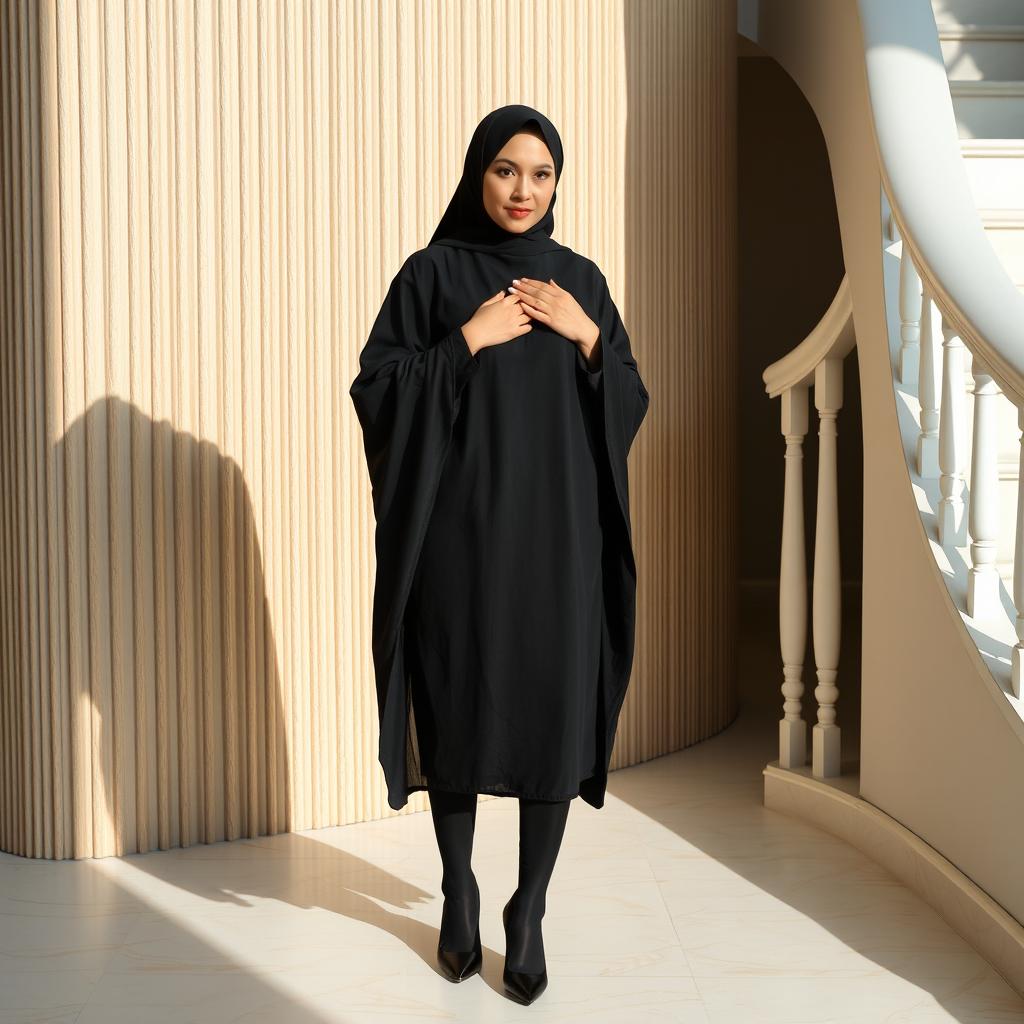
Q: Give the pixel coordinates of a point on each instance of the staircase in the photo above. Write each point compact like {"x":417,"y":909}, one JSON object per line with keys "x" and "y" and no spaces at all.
{"x":982,"y":43}
{"x":921,"y":105}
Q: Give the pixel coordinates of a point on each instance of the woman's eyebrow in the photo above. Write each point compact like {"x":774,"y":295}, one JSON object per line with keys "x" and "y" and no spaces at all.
{"x":505,"y":160}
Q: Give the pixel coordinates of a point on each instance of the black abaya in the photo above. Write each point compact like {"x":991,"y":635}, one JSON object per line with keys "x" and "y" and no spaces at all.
{"x":504,"y":605}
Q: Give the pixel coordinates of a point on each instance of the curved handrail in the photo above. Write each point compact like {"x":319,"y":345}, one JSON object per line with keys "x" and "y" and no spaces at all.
{"x":833,"y":335}
{"x":923,"y":172}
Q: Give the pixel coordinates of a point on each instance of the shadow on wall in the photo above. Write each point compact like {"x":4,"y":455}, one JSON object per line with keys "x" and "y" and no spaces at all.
{"x":175,"y":733}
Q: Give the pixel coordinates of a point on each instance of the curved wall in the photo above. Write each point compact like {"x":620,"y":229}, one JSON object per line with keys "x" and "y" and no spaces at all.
{"x":204,"y":205}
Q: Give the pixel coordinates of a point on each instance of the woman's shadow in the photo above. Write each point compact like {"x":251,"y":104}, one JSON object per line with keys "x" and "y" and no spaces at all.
{"x":175,"y":670}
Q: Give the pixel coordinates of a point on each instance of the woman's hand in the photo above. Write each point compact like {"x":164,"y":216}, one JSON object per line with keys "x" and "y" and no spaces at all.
{"x":554,"y":306}
{"x":499,"y":319}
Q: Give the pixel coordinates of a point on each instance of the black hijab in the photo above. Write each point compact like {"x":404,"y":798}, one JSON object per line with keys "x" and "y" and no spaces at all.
{"x":466,"y":224}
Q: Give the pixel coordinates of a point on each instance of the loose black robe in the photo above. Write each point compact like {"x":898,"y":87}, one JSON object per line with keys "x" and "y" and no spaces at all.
{"x":504,"y":606}
{"x":519,"y":704}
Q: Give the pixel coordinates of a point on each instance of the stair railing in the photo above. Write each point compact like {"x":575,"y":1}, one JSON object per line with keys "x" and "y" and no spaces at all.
{"x":943,"y":452}
{"x":816,"y":362}
{"x":952,"y":286}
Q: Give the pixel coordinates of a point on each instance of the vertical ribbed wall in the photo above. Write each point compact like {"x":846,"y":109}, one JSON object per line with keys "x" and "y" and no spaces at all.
{"x":671,"y":258}
{"x":203,"y":204}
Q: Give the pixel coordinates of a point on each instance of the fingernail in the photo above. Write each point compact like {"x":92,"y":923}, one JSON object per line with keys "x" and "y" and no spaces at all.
{"x":515,"y":280}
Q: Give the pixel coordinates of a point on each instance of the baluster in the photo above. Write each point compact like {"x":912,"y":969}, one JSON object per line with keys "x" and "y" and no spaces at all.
{"x":827,"y":599}
{"x":983,"y":514}
{"x":1016,"y":666}
{"x":951,"y":525}
{"x":910,"y":319}
{"x":928,"y":390}
{"x":793,"y":584}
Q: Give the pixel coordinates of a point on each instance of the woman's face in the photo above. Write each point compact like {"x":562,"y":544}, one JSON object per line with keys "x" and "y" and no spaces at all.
{"x":521,"y":175}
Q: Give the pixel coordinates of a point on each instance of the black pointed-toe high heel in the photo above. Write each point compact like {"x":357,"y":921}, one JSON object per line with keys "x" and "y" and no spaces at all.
{"x":458,"y":966}
{"x":522,"y":987}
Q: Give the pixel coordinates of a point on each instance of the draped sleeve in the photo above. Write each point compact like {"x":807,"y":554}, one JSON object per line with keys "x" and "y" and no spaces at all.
{"x":592,"y":378}
{"x":632,"y":395}
{"x":623,"y":404}
{"x":625,"y":397}
{"x":406,"y":396}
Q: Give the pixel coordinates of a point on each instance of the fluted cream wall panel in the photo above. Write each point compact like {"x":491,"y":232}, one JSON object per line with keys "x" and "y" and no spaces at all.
{"x":203,"y":205}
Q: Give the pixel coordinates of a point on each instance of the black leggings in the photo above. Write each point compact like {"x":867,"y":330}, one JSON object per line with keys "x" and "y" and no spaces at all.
{"x":541,"y":827}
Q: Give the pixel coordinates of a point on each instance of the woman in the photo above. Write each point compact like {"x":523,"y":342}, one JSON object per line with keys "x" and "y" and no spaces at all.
{"x":498,"y":399}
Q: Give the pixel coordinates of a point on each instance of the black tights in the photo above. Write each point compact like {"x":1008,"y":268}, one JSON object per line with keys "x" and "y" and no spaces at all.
{"x":454,"y":821}
{"x":541,"y":827}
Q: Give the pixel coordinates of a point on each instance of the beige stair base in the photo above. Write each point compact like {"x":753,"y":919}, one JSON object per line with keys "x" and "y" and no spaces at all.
{"x":834,"y":806}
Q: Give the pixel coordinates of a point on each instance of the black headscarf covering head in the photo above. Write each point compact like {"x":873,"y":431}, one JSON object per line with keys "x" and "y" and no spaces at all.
{"x":466,"y":224}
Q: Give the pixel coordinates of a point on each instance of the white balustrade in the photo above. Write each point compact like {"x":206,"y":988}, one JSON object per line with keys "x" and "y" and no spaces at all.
{"x":928,"y":380}
{"x":827,"y":582}
{"x":827,"y":599}
{"x":940,"y":454}
{"x":982,"y":578}
{"x":941,"y":448}
{"x":793,"y":583}
{"x":910,"y":321}
{"x":951,"y":520}
{"x":941,"y":443}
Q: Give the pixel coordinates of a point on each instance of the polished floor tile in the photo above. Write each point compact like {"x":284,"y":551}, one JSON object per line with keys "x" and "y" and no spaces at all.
{"x":683,"y":899}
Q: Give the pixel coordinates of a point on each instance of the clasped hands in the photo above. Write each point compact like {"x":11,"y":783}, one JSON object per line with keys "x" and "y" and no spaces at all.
{"x":546,"y":302}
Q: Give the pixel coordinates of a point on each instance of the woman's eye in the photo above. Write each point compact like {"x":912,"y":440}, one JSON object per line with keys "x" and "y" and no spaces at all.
{"x":501,"y":170}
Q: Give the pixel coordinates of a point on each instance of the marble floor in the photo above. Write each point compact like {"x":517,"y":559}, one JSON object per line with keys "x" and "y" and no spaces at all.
{"x":683,"y":899}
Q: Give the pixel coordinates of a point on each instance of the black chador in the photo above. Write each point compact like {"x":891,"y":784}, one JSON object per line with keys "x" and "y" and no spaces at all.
{"x":505,"y":595}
